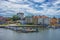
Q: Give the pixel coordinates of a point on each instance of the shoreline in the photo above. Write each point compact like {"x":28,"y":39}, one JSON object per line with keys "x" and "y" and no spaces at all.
{"x":33,"y":26}
{"x":23,"y":26}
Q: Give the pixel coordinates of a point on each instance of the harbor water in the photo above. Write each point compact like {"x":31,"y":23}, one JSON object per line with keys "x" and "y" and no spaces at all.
{"x":43,"y":34}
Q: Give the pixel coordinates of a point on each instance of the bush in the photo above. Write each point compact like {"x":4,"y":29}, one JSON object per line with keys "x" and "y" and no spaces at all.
{"x":30,"y":23}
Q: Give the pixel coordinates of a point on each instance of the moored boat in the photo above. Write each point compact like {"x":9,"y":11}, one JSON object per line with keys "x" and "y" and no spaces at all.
{"x":29,"y":30}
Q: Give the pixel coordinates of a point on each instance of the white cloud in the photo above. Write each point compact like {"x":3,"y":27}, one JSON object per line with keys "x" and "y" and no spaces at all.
{"x":13,"y":0}
{"x":38,"y":0}
{"x":17,"y":7}
{"x":26,"y":0}
{"x":10,"y":7}
{"x":17,"y":1}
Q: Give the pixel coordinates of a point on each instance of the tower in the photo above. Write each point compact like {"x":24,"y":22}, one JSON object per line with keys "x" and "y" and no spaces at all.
{"x":21,"y":15}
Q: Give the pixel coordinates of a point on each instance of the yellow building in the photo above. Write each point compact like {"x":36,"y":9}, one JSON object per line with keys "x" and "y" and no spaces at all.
{"x":53,"y":21}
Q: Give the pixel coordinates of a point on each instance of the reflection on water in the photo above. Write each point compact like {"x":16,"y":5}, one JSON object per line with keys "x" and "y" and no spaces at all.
{"x":44,"y":34}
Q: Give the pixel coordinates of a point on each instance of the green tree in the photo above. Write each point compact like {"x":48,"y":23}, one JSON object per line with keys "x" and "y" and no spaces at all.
{"x":15,"y":17}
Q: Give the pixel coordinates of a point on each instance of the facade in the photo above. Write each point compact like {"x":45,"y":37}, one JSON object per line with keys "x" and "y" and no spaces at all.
{"x":35,"y":20}
{"x":47,"y":21}
{"x":58,"y":21}
{"x":53,"y":21}
{"x":2,"y":20}
{"x":28,"y":19}
{"x":40,"y":20}
{"x":44,"y":20}
{"x":21,"y":15}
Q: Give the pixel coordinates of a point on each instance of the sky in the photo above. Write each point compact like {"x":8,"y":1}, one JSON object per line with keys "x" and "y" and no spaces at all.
{"x":50,"y":8}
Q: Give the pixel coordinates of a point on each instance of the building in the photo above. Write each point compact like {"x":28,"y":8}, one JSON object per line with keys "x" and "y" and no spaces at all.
{"x":58,"y":20}
{"x":41,"y":20}
{"x":21,"y":15}
{"x":35,"y":20}
{"x":29,"y":19}
{"x":45,"y":20}
{"x":2,"y":20}
{"x":53,"y":21}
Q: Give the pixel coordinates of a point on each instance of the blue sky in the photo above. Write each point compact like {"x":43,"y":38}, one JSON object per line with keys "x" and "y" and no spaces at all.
{"x":30,"y":7}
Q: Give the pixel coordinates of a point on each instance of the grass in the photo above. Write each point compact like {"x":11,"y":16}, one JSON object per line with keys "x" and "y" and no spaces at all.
{"x":18,"y":24}
{"x":3,"y":24}
{"x":25,"y":25}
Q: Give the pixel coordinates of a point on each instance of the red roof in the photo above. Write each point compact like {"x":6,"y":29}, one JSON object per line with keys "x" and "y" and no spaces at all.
{"x":2,"y":18}
{"x":40,"y":17}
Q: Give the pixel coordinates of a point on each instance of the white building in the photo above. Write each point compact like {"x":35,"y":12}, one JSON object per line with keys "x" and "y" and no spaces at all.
{"x":44,"y":20}
{"x":40,"y":20}
{"x":21,"y":15}
{"x":47,"y":21}
{"x":28,"y":19}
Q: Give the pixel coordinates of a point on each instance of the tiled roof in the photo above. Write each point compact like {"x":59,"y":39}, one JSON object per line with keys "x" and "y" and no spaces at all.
{"x":36,"y":17}
{"x":40,"y":17}
{"x":2,"y":18}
